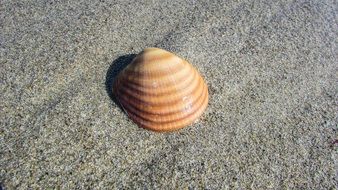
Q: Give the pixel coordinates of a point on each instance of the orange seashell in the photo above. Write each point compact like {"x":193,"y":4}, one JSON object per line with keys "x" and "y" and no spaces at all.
{"x":160,"y":91}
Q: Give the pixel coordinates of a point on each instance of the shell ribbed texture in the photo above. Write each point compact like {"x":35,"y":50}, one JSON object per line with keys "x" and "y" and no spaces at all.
{"x":160,"y":91}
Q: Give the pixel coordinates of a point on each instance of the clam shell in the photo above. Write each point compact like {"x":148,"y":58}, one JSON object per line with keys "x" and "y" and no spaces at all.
{"x":160,"y":91}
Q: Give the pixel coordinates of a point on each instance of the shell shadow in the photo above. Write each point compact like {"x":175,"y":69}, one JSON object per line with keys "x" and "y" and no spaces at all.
{"x":114,"y":69}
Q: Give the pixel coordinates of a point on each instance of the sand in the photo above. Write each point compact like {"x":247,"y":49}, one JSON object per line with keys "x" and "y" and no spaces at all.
{"x":271,"y":68}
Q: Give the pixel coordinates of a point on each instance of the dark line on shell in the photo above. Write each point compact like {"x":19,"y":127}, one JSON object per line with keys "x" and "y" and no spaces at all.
{"x":135,"y":80}
{"x":156,"y":105}
{"x":203,"y":95}
{"x":147,"y":124}
{"x":131,"y":93}
{"x":133,"y":86}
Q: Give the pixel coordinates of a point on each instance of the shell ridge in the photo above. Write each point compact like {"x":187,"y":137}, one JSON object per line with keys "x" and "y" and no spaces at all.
{"x":164,"y":91}
{"x":138,"y":80}
{"x":184,"y":121}
{"x":201,"y":98}
{"x":134,"y":102}
{"x":133,"y":86}
{"x":179,"y":93}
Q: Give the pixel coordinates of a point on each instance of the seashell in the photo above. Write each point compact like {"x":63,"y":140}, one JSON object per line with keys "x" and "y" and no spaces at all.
{"x":160,"y":91}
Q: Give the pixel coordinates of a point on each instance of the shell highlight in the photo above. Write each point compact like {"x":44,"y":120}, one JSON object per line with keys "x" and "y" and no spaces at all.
{"x":160,"y":91}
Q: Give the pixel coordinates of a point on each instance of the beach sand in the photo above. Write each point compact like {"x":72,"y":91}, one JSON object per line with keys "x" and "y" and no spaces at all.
{"x":271,"y":68}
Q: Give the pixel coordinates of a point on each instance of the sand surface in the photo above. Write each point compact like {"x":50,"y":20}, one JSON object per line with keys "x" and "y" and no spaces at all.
{"x":271,"y":69}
